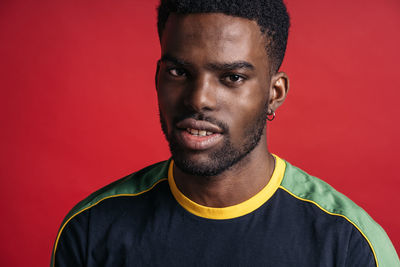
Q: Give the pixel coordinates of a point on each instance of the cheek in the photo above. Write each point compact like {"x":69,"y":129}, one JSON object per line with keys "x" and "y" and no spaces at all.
{"x":163,"y":105}
{"x":250,"y":103}
{"x":164,"y":92}
{"x":247,"y":111}
{"x":168,"y":103}
{"x":169,"y":93}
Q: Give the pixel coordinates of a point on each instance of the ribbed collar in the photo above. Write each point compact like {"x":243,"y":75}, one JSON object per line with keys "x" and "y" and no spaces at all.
{"x":234,"y":211}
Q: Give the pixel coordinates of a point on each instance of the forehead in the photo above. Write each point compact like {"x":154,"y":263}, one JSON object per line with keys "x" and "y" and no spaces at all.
{"x":213,"y":36}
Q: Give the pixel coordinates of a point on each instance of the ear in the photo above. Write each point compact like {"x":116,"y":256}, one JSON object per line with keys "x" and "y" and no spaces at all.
{"x":278,"y":90}
{"x":157,"y":73}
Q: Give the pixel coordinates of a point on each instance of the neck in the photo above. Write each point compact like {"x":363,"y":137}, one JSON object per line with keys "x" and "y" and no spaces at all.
{"x":233,"y":186}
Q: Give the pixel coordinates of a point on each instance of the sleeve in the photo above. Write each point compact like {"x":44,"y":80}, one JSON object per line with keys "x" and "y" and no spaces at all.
{"x":71,"y":243}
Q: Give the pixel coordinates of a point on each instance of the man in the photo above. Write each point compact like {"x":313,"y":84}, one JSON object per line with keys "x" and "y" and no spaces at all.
{"x":223,"y":199}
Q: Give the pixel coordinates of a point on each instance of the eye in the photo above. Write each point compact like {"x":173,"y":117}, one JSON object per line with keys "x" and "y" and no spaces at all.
{"x":233,"y":79}
{"x":177,"y":72}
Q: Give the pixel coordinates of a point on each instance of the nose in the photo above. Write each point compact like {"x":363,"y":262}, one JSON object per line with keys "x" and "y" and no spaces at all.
{"x":201,"y":94}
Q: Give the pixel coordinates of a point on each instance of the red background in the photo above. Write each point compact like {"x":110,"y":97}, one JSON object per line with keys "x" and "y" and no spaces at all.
{"x":78,"y":107}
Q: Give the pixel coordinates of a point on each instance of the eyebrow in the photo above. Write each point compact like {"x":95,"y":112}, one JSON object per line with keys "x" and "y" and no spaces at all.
{"x":174,"y":60}
{"x":230,"y":66}
{"x":212,"y":66}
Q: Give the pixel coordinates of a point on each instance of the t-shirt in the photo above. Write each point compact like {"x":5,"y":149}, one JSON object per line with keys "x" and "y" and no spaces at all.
{"x":295,"y":220}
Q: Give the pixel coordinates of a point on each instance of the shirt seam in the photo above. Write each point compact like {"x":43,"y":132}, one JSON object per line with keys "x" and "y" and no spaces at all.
{"x":95,"y":204}
{"x":334,"y":214}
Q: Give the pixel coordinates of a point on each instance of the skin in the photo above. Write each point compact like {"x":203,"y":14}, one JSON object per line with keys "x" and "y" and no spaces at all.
{"x":188,"y":82}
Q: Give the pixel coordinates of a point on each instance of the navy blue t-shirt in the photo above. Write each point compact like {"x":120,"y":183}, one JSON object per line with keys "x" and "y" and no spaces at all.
{"x":296,"y":220}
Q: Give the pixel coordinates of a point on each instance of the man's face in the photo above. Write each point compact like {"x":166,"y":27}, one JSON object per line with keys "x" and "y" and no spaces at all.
{"x":212,"y":83}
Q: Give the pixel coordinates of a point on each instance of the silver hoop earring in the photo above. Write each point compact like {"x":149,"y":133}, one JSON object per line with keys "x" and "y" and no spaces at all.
{"x":271,"y":117}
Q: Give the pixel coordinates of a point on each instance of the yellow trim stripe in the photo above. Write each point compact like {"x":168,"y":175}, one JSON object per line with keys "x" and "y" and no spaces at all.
{"x":79,"y":212}
{"x":232,"y":211}
{"x":335,"y":214}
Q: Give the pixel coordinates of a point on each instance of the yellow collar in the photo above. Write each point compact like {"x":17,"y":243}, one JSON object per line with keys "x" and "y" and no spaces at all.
{"x":232,"y":211}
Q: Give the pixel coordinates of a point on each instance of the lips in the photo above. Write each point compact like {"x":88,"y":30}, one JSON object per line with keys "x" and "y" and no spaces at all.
{"x":199,"y":125}
{"x":198,"y":134}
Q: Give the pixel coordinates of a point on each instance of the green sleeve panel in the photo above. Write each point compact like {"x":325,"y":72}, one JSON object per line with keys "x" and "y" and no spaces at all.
{"x":311,"y":189}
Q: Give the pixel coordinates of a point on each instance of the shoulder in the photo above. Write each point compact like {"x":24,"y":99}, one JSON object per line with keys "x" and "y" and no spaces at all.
{"x":310,"y":189}
{"x":133,"y":185}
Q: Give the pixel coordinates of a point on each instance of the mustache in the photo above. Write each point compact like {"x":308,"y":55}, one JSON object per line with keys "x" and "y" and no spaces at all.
{"x":202,"y":117}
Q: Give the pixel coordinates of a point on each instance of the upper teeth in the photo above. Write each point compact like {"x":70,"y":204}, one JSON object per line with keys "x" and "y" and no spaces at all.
{"x":198,"y":132}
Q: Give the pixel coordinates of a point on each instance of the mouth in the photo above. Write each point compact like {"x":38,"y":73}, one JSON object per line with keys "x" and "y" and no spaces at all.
{"x":197,"y":132}
{"x":197,"y":135}
{"x":198,"y":127}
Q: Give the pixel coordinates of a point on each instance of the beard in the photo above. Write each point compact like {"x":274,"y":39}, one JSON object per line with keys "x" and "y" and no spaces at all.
{"x":223,"y":158}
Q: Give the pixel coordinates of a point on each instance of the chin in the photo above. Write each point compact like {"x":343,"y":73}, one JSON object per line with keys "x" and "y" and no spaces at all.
{"x":210,"y":164}
{"x":199,"y":168}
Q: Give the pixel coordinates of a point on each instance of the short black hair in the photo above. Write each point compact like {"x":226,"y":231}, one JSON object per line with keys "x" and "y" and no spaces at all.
{"x":271,"y":16}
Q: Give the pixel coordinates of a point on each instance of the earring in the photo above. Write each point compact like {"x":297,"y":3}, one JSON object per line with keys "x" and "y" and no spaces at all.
{"x":271,"y":115}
